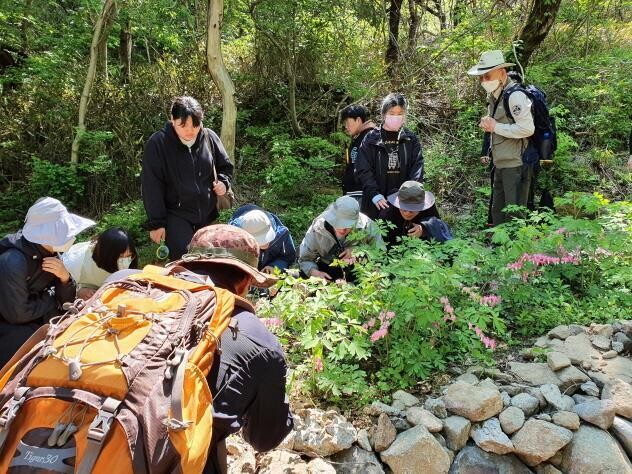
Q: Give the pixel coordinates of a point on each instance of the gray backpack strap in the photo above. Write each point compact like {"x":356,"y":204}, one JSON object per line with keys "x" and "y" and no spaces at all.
{"x":10,"y":411}
{"x":97,"y":432}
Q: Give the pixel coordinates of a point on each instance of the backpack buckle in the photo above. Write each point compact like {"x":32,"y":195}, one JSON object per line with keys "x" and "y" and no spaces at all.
{"x":102,"y":422}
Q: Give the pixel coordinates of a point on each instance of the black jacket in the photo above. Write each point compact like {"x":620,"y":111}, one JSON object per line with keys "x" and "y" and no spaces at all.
{"x":434,"y":227}
{"x":372,"y":163}
{"x":350,"y":182}
{"x":178,"y":180}
{"x":28,"y":294}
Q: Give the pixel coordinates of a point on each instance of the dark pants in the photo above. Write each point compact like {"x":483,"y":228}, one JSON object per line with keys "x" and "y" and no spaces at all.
{"x":511,"y":186}
{"x":12,"y":336}
{"x":179,"y":233}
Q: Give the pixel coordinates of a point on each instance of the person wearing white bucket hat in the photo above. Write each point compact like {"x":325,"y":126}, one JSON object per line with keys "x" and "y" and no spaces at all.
{"x":326,"y":239}
{"x":509,"y":132}
{"x":35,"y":284}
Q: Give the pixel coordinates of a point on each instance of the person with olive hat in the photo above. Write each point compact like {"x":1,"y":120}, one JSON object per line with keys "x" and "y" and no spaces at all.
{"x":275,"y":242}
{"x":508,"y":132}
{"x":326,"y":239}
{"x":413,"y":213}
{"x":35,"y":283}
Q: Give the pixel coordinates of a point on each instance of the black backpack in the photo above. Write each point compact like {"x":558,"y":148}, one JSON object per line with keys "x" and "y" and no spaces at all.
{"x":544,"y":138}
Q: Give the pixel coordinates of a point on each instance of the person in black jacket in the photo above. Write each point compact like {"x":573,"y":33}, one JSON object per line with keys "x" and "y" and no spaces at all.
{"x":355,"y":119}
{"x":388,"y":156}
{"x":414,"y":213}
{"x":178,"y":179}
{"x":35,"y":283}
{"x":276,"y":246}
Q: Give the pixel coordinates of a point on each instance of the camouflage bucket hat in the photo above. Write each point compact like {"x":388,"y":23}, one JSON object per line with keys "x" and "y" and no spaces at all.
{"x":230,"y":245}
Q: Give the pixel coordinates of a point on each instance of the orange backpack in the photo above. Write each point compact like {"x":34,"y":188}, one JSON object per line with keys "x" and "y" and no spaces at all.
{"x":118,"y":385}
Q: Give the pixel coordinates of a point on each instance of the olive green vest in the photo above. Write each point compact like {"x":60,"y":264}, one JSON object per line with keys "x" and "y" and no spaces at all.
{"x":506,"y":152}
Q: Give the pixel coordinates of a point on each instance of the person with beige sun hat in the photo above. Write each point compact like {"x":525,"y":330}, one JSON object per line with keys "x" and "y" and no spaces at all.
{"x":509,"y":131}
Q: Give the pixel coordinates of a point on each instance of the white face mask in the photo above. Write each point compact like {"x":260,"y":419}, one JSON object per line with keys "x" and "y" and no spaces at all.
{"x":188,"y":143}
{"x":65,"y":247}
{"x":124,"y":263}
{"x":490,"y":86}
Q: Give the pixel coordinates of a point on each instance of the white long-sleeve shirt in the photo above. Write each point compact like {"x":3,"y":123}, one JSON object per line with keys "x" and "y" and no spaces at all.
{"x":520,"y":110}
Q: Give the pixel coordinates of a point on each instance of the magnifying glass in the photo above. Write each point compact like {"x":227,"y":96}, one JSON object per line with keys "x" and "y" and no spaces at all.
{"x":162,"y":252}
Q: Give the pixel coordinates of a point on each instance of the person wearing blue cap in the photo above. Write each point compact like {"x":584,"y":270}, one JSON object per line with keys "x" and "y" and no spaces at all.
{"x":35,"y":283}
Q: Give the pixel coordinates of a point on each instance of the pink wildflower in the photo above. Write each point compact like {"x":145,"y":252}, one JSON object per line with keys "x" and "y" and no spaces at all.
{"x":272,"y":322}
{"x":490,"y":300}
{"x":379,"y":334}
{"x":318,"y":364}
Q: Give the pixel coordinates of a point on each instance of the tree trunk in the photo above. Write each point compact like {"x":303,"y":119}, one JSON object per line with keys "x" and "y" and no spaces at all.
{"x":290,"y":70}
{"x":108,"y":5}
{"x":102,"y":54}
{"x":24,"y":26}
{"x":536,"y":27}
{"x":413,"y":26}
{"x":125,"y":51}
{"x":219,"y":73}
{"x":392,"y":50}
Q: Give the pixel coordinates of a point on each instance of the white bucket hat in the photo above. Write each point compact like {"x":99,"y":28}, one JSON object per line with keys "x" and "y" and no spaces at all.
{"x":490,"y":61}
{"x":258,"y":224}
{"x":48,"y":222}
{"x":343,"y":213}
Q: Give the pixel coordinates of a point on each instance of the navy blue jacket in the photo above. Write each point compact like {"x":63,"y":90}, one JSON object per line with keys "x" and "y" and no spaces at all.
{"x":434,"y":227}
{"x":281,"y":253}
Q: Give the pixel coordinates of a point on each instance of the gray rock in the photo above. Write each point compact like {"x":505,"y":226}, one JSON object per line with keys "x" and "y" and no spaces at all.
{"x":436,"y":406}
{"x":571,"y":376}
{"x":590,"y":388}
{"x":560,"y":332}
{"x":566,"y":419}
{"x":414,"y":449}
{"x":622,"y":430}
{"x":537,"y":393}
{"x":473,"y":402}
{"x":557,"y":360}
{"x":622,"y":339}
{"x":511,"y":419}
{"x":456,"y":430}
{"x":576,"y":329}
{"x":363,"y":440}
{"x":513,"y":389}
{"x":357,"y":461}
{"x":600,"y":342}
{"x":406,"y":398}
{"x":594,"y":451}
{"x":473,"y":460}
{"x":240,"y":456}
{"x":603,"y":330}
{"x":620,"y":393}
{"x":617,"y":368}
{"x":468,"y":377}
{"x":533,"y":373}
{"x":441,"y":440}
{"x":420,"y":416}
{"x":320,"y":466}
{"x":547,"y":469}
{"x":322,"y":433}
{"x":567,"y":403}
{"x":491,"y":372}
{"x":539,"y":440}
{"x":543,"y":417}
{"x":398,"y":405}
{"x":542,"y":342}
{"x":599,"y":413}
{"x":279,"y":460}
{"x":377,"y":408}
{"x":553,"y":396}
{"x":400,"y":424}
{"x":610,"y":354}
{"x":579,"y":348}
{"x":384,"y":433}
{"x":489,"y":437}
{"x":617,"y":347}
{"x":527,"y":403}
{"x":579,"y":398}
{"x":487,"y":383}
{"x":504,"y":396}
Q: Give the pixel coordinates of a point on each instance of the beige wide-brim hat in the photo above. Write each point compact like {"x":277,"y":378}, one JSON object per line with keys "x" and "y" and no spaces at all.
{"x":343,"y":213}
{"x":48,"y":222}
{"x":489,"y":61}
{"x":412,"y":197}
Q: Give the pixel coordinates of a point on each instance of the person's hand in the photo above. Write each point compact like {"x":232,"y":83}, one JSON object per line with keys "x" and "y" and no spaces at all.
{"x":85,"y":293}
{"x":319,"y":274}
{"x":157,"y":235}
{"x":416,"y":230}
{"x":219,"y":188}
{"x":382,"y":204}
{"x":488,"y":124}
{"x":485,"y":160}
{"x":268,"y":269}
{"x":56,"y":267}
{"x":345,"y":254}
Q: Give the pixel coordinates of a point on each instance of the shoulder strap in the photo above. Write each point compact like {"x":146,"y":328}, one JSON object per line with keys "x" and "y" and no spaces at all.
{"x":207,"y":140}
{"x":506,"y":93}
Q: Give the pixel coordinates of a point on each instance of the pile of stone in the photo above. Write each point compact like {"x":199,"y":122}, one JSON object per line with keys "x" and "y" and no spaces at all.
{"x":570,"y":414}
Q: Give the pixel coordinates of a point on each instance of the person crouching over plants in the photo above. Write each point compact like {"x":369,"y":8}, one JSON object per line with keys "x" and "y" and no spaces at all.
{"x":326,"y":240}
{"x":413,"y":213}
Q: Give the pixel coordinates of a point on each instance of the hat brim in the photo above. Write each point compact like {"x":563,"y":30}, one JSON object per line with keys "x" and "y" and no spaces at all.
{"x":260,"y":279}
{"x":429,"y":201}
{"x":340,"y":223}
{"x":265,"y":237}
{"x":56,"y":233}
{"x":476,"y":71}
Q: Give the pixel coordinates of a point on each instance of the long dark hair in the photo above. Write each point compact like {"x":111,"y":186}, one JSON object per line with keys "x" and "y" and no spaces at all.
{"x":111,"y":243}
